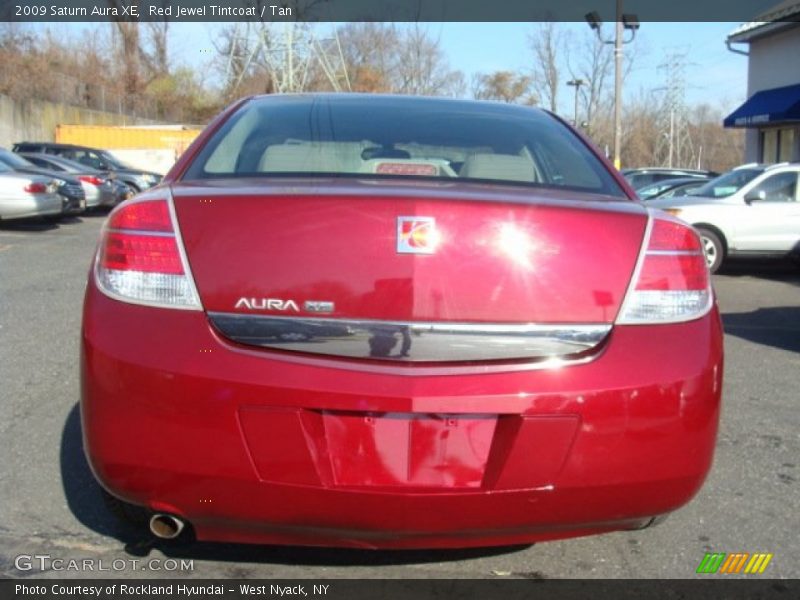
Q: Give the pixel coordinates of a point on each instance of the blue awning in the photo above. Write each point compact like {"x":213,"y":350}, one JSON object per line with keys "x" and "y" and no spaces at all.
{"x":778,"y":105}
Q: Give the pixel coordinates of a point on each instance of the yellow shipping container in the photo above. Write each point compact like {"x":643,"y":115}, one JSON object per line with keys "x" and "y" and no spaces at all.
{"x":110,"y":137}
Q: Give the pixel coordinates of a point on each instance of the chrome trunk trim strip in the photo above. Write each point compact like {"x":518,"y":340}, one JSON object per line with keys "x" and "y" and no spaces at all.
{"x":410,"y":341}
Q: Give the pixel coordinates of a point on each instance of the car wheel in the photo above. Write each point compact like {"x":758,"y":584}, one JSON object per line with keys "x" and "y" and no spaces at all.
{"x":712,"y":248}
{"x":124,"y":511}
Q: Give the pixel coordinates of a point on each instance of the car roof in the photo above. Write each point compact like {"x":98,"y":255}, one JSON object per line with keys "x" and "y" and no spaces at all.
{"x":46,"y":156}
{"x":664,"y":170}
{"x":685,"y":180}
{"x":667,"y":184}
{"x":767,"y":166}
{"x":58,"y":159}
{"x":57,"y":145}
{"x":43,"y":155}
{"x":400,"y":100}
{"x":692,"y":181}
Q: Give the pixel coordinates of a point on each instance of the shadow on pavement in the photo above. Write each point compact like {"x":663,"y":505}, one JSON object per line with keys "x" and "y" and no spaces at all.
{"x":96,"y":213}
{"x":777,"y":326}
{"x":85,"y":501}
{"x":29,"y":225}
{"x":775,"y":270}
{"x":82,"y":492}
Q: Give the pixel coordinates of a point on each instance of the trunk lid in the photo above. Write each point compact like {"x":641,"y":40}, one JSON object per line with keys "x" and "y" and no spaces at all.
{"x":503,"y":256}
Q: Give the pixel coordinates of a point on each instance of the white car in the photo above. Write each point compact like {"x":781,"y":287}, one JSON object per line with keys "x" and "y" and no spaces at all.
{"x":23,"y":195}
{"x":751,"y":211}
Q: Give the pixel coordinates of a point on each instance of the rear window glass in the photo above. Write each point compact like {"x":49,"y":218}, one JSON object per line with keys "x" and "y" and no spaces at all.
{"x":44,"y":163}
{"x":728,"y":184}
{"x":388,"y":137}
{"x":26,"y":148}
{"x":15,"y":161}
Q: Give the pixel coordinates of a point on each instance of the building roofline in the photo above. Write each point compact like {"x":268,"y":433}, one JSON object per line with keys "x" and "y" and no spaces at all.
{"x":778,"y":18}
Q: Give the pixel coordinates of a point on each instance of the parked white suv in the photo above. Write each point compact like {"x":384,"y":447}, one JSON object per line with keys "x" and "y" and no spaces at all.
{"x":753,"y":210}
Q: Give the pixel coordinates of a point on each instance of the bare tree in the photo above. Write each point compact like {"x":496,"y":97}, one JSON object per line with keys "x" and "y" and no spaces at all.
{"x":369,"y":51}
{"x":592,"y":61}
{"x":505,"y":86}
{"x":16,"y":36}
{"x":718,"y":149}
{"x":128,"y":55}
{"x":546,"y":44}
{"x":157,"y":59}
{"x":144,"y":58}
{"x":18,"y":47}
{"x":640,"y":134}
{"x":422,"y":67}
{"x":382,"y":57}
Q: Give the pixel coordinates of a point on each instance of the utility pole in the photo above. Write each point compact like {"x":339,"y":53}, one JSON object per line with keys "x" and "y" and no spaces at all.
{"x":618,"y":85}
{"x":576,"y":83}
{"x":623,"y":22}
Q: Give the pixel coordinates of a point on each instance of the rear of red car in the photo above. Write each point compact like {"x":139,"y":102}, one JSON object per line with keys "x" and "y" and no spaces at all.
{"x":398,"y":322}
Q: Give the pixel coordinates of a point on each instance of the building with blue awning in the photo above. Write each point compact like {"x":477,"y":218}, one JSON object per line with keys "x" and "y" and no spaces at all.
{"x":775,"y":106}
{"x":771,"y":113}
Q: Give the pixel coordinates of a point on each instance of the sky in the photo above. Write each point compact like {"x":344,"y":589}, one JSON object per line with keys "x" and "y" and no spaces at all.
{"x":713,"y":74}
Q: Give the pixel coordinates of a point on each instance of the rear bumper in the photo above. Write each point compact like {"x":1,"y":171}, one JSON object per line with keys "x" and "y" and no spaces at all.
{"x":73,"y":205}
{"x":108,"y":198}
{"x":97,"y":196}
{"x":249,"y":446}
{"x":30,"y":205}
{"x":94,"y":199}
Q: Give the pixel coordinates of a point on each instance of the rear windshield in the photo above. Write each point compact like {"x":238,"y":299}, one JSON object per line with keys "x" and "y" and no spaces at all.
{"x":654,"y":188}
{"x":14,"y":160}
{"x":45,"y":163}
{"x":388,"y":137}
{"x":727,"y":184}
{"x":114,"y":161}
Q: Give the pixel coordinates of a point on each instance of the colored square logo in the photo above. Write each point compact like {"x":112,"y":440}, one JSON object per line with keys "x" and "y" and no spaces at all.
{"x":416,"y":235}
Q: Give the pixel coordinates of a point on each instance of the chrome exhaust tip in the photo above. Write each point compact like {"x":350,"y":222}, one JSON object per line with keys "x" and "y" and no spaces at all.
{"x":165,"y":526}
{"x":651,"y":522}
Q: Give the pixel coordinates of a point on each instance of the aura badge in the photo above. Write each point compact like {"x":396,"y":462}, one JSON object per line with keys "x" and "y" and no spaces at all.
{"x":416,"y":235}
{"x":267,"y":304}
{"x":733,"y":563}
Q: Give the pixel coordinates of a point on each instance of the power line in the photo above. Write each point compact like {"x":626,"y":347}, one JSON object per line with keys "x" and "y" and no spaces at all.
{"x":288,"y":55}
{"x":674,"y":146}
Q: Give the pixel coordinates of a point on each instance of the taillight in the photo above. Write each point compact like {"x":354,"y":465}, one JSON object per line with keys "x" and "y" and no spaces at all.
{"x":35,"y":188}
{"x":671,"y":282}
{"x":140,"y":258}
{"x":91,"y":179}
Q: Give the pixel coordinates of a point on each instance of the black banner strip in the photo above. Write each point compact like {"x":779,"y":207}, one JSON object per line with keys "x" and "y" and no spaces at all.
{"x":388,"y":10}
{"x":733,"y":588}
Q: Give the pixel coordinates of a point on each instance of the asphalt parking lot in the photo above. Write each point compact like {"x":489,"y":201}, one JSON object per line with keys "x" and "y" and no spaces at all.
{"x":51,"y":505}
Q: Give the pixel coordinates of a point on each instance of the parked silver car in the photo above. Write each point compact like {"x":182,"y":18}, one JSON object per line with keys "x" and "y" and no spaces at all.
{"x":69,"y":188}
{"x":753,"y":210}
{"x":680,"y":186}
{"x":23,"y":195}
{"x":101,"y":189}
{"x":639,"y":178}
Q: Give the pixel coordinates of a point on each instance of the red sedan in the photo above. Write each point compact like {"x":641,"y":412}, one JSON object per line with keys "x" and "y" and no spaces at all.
{"x":396,"y":322}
